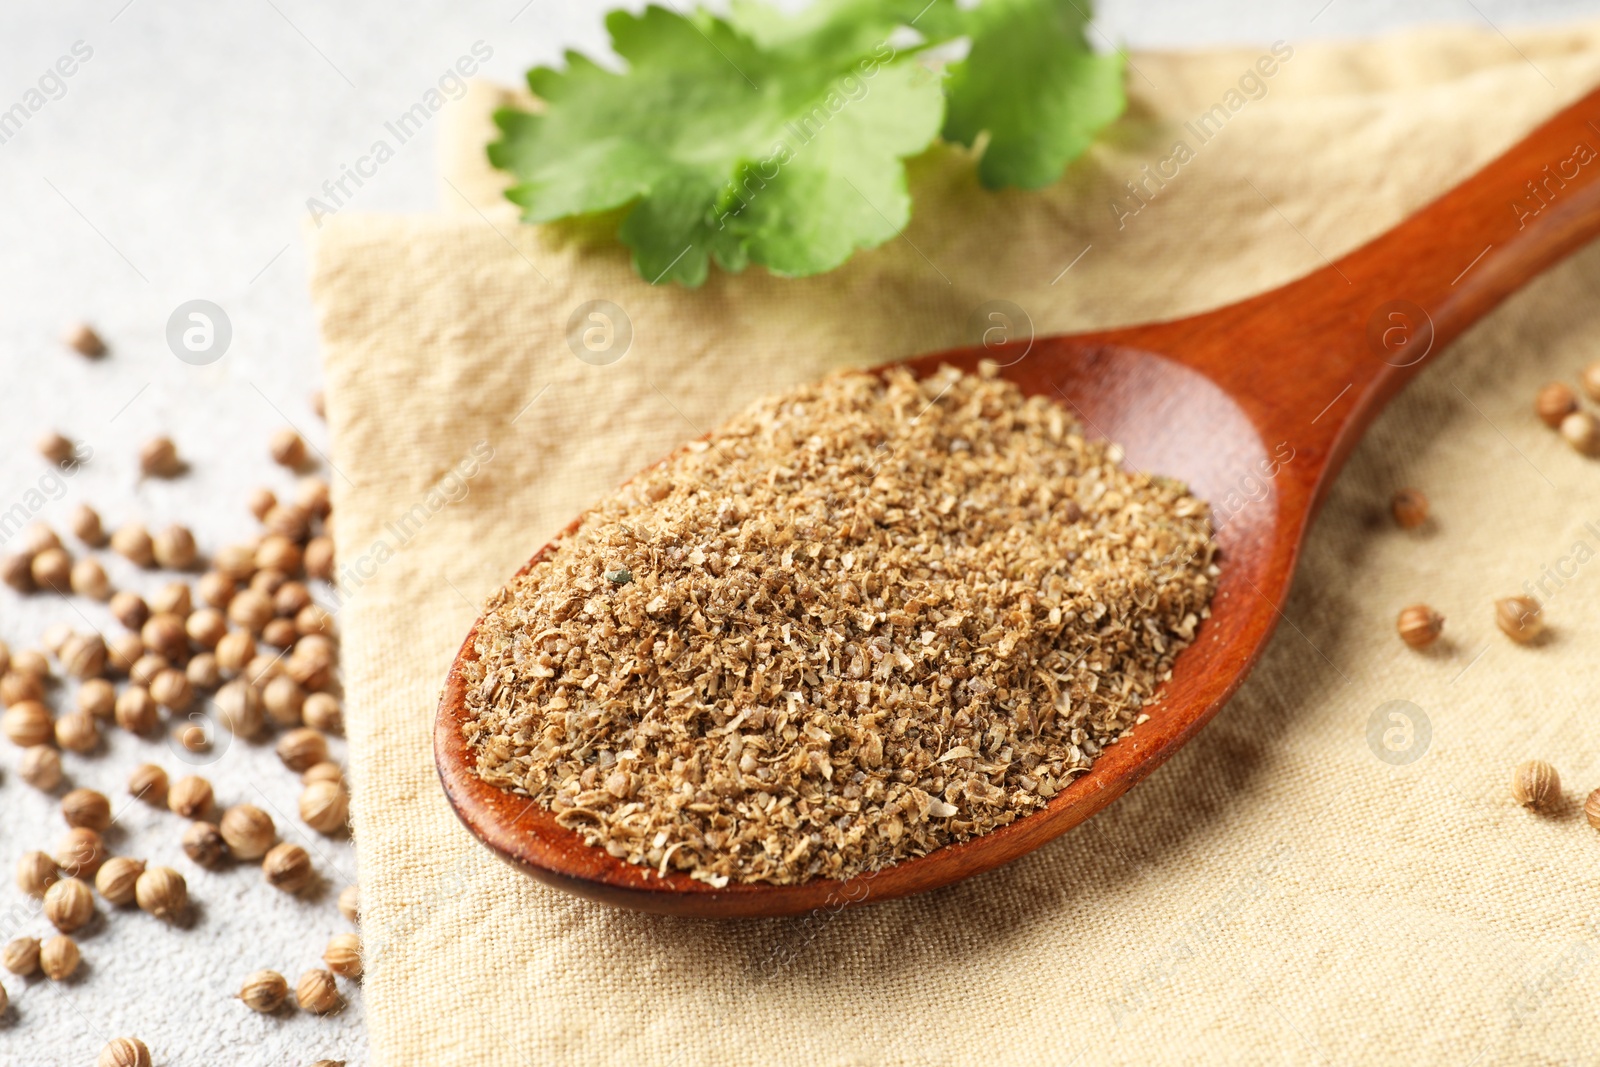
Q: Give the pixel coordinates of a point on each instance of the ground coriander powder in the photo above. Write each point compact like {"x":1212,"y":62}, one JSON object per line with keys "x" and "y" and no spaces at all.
{"x":866,"y":618}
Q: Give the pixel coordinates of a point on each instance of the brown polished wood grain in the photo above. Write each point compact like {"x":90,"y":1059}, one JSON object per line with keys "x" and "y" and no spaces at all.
{"x":1256,"y":405}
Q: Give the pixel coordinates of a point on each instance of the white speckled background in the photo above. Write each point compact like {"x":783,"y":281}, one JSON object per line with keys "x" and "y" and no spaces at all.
{"x":175,"y":165}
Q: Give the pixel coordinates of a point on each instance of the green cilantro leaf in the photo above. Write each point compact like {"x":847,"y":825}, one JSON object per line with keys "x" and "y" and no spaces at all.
{"x":1032,"y":83}
{"x":779,"y":139}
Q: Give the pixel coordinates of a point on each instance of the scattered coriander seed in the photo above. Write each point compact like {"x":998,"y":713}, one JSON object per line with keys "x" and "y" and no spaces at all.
{"x":58,"y":957}
{"x":326,"y":771}
{"x":1554,"y":402}
{"x":38,"y":537}
{"x":16,"y":570}
{"x":206,"y":627}
{"x":117,"y":877}
{"x":1535,"y":784}
{"x":248,"y":831}
{"x":86,"y":807}
{"x":174,"y":548}
{"x":158,"y":458}
{"x":77,"y":732}
{"x":88,"y":578}
{"x":350,"y":903}
{"x":136,"y":711}
{"x":162,"y":892}
{"x":124,"y":1052}
{"x":287,"y":866}
{"x":36,"y":873}
{"x":86,"y":526}
{"x":318,"y":558}
{"x":56,"y":447}
{"x":237,"y":562}
{"x":264,"y":991}
{"x":171,"y":689}
{"x":317,"y":993}
{"x":31,"y":661}
{"x":52,"y":569}
{"x":80,"y":852}
{"x":1591,"y":806}
{"x":325,"y":807}
{"x":130,"y":609}
{"x":132,"y":542}
{"x":215,"y":589}
{"x":203,"y":843}
{"x":308,"y":671}
{"x":81,"y":338}
{"x":163,"y":633}
{"x":343,"y":955}
{"x":288,"y":449}
{"x":17,"y":687}
{"x":321,"y":712}
{"x":251,"y":609}
{"x":1580,"y":430}
{"x":279,"y":633}
{"x":97,"y":697}
{"x":235,"y":651}
{"x":268,"y":582}
{"x":261,"y":501}
{"x":69,"y":904}
{"x":146,"y":667}
{"x":193,"y":738}
{"x":239,"y":707}
{"x":84,"y":656}
{"x":290,"y":598}
{"x":285,"y":700}
{"x":203,"y":672}
{"x":173,"y":599}
{"x":190,"y":797}
{"x":148,"y":782}
{"x":21,"y":956}
{"x":277,"y":553}
{"x":41,"y":767}
{"x":312,"y":494}
{"x":27,"y":723}
{"x":122,"y":652}
{"x":301,"y":747}
{"x":1519,"y":618}
{"x":313,"y":620}
{"x":263,"y":669}
{"x":290,"y":520}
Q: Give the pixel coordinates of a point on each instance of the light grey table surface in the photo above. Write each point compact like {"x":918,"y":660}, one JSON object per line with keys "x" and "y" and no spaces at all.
{"x":174,"y":164}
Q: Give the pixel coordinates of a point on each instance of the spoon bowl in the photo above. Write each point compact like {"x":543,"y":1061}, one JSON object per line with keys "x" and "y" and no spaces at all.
{"x":1254,"y":405}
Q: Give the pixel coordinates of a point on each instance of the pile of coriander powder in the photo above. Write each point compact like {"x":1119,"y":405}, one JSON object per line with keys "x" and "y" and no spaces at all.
{"x":866,"y":618}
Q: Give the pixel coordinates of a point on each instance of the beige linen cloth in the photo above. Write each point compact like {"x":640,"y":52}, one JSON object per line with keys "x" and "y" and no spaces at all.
{"x":1312,"y":880}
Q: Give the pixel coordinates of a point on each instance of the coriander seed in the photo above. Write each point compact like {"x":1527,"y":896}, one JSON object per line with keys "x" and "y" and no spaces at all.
{"x":288,"y":449}
{"x":312,"y":494}
{"x":146,"y":667}
{"x":203,"y":843}
{"x":1580,"y":430}
{"x":215,"y":590}
{"x":1519,"y":618}
{"x":80,"y":852}
{"x":77,"y":732}
{"x":279,"y":633}
{"x":97,"y":697}
{"x":261,"y":501}
{"x":206,"y":627}
{"x":58,"y":957}
{"x":1535,"y":784}
{"x":16,"y":570}
{"x":84,"y":656}
{"x":190,"y":797}
{"x":325,"y":806}
{"x":321,"y":712}
{"x":148,"y":782}
{"x":236,"y":562}
{"x":171,"y":689}
{"x":31,"y":661}
{"x":158,"y":458}
{"x":318,"y":558}
{"x":162,"y":892}
{"x":124,"y":1052}
{"x":18,"y":688}
{"x":235,"y":651}
{"x":86,"y":807}
{"x":21,"y":956}
{"x":290,"y":520}
{"x":88,"y":578}
{"x":290,"y":598}
{"x":1554,"y":402}
{"x":239,"y":707}
{"x":164,"y":634}
{"x":41,"y":767}
{"x":81,"y":338}
{"x":193,"y":738}
{"x":1419,"y":626}
{"x":301,"y":747}
{"x":136,"y":711}
{"x":250,"y":609}
{"x":313,"y":620}
{"x":117,"y":878}
{"x":86,"y":526}
{"x":52,"y":569}
{"x":130,"y":609}
{"x":57,"y":448}
{"x":203,"y":672}
{"x":248,"y":831}
{"x":288,"y":867}
{"x":343,"y":955}
{"x":132,"y":542}
{"x":69,"y":904}
{"x":264,"y":991}
{"x":317,"y":993}
{"x":326,"y":771}
{"x":174,"y":548}
{"x":284,"y":700}
{"x":27,"y":723}
{"x":172,"y":599}
{"x":1591,"y":809}
{"x":350,"y":903}
{"x":36,"y":873}
{"x":276,"y":552}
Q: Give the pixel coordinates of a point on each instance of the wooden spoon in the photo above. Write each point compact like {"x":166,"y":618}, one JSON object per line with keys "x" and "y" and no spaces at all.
{"x":1255,"y":405}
